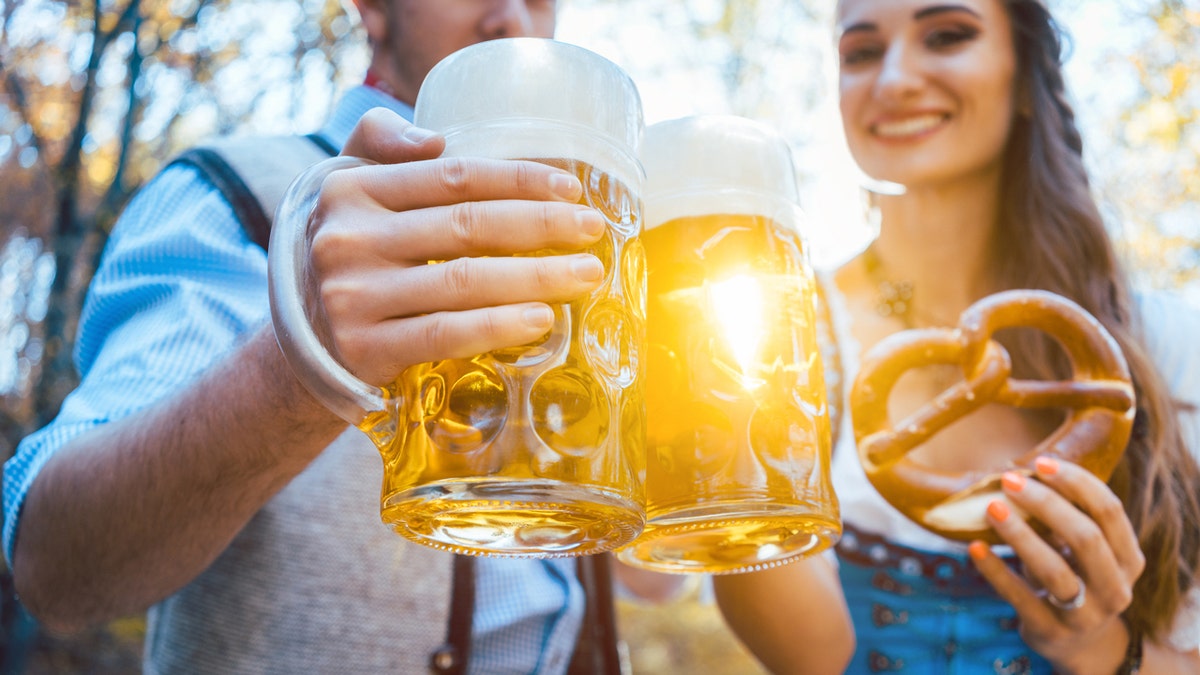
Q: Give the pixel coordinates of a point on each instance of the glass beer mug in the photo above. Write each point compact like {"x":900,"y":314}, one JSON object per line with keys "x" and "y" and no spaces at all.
{"x":738,"y":436}
{"x":536,"y":450}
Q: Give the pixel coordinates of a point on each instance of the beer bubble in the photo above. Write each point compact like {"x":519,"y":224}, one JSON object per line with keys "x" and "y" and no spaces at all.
{"x":605,"y":250}
{"x":608,"y":342}
{"x":613,"y":200}
{"x":633,"y":278}
{"x":785,"y":439}
{"x":468,"y":414}
{"x":569,"y":411}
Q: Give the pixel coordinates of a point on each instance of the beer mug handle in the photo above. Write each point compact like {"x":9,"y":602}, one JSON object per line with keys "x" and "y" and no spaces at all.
{"x":348,"y":397}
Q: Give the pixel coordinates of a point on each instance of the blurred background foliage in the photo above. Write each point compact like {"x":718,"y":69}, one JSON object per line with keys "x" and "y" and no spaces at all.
{"x":96,"y":96}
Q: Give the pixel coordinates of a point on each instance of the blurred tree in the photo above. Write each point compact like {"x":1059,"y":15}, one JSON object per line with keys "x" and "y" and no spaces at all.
{"x":1146,"y":155}
{"x":94,"y":97}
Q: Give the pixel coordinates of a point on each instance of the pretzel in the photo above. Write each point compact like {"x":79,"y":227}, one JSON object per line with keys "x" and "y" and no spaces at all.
{"x":1099,"y":403}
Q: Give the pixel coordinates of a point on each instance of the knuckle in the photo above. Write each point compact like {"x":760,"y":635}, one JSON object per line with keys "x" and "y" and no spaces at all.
{"x":524,"y":177}
{"x":458,"y":274}
{"x":379,"y":126}
{"x":1122,"y":598}
{"x":548,"y":219}
{"x":327,"y":247}
{"x":375,"y":117}
{"x":1110,"y":507}
{"x":337,"y":187}
{"x":455,"y":175}
{"x":1090,"y":538}
{"x":545,"y":273}
{"x":464,"y":223}
{"x":1091,"y":622}
{"x":432,"y":334}
{"x":490,"y":326}
{"x":337,"y":300}
{"x":351,"y":352}
{"x":1139,"y":563}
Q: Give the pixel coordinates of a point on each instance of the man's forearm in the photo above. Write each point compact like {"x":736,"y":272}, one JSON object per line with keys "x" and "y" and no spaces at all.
{"x":133,"y":510}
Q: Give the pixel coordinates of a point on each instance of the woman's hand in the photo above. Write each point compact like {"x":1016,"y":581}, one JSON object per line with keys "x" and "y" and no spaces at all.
{"x":375,"y":298}
{"x":1079,"y":578}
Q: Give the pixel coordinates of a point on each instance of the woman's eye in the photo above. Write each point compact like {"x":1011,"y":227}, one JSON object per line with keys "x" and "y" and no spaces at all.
{"x":859,"y":55}
{"x":950,"y":37}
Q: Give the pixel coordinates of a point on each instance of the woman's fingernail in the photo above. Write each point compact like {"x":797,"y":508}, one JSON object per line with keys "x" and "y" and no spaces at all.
{"x":977,"y":550}
{"x":590,"y":221}
{"x":1013,"y":481}
{"x":1046,"y":466}
{"x":998,"y":510}
{"x":566,"y":186}
{"x":587,"y":268}
{"x":539,"y":317}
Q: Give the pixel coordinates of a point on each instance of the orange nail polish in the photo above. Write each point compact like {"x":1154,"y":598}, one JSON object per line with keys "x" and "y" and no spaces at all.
{"x":998,"y":510}
{"x":1046,"y":465}
{"x":977,"y":550}
{"x":1013,"y":481}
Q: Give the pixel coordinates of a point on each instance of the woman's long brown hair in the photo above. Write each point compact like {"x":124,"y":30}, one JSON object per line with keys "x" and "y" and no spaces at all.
{"x":1051,"y":236}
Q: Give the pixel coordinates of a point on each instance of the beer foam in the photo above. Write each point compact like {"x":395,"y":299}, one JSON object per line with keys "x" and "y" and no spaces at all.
{"x":709,"y":164}
{"x":535,"y":98}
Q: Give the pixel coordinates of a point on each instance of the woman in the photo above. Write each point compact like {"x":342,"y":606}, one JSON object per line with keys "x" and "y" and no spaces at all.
{"x":961,"y":102}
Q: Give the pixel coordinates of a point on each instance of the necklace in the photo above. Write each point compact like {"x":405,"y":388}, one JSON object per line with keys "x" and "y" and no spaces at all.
{"x":892,"y":298}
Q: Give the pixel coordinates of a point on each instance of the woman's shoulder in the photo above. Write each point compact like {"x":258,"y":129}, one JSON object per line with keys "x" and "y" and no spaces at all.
{"x":1161,"y":306}
{"x":1169,"y":325}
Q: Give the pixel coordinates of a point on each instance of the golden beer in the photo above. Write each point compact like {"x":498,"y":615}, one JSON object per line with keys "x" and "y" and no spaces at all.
{"x":538,"y":448}
{"x":738,"y":437}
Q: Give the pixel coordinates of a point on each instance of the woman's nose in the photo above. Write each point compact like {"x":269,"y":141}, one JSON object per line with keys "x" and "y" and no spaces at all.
{"x":899,"y":74}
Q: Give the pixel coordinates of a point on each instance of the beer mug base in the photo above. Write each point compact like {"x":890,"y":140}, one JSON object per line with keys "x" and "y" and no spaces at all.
{"x":730,"y":538}
{"x":514,"y":518}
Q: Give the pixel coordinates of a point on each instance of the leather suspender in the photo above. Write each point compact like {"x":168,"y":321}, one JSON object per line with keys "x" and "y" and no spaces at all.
{"x":596,"y":650}
{"x":452,"y":657}
{"x":253,"y":174}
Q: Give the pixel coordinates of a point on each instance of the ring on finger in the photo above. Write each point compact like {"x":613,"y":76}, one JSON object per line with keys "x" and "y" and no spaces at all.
{"x":1072,"y":603}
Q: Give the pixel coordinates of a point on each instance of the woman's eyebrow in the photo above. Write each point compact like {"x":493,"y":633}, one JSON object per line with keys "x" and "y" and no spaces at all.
{"x":932,"y":10}
{"x":860,"y":27}
{"x":923,"y":13}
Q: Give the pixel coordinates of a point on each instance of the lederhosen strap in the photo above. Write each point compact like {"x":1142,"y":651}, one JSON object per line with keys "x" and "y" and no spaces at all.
{"x":452,"y":657}
{"x":596,"y":650}
{"x":272,"y":165}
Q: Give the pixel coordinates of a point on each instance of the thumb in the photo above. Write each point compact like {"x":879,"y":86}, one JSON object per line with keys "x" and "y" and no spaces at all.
{"x":385,"y":137}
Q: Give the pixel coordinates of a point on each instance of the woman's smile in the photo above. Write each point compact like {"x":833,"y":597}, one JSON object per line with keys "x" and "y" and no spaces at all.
{"x":909,"y":127}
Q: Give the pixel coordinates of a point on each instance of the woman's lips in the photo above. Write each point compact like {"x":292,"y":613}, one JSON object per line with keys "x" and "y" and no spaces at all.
{"x":909,"y":127}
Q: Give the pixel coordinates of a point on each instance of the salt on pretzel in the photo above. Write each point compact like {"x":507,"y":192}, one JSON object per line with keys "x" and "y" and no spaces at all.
{"x":1098,"y":400}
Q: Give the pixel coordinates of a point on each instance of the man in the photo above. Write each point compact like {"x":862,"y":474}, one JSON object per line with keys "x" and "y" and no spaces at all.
{"x":191,"y":471}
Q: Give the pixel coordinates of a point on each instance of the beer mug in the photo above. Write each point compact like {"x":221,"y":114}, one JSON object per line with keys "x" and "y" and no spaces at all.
{"x":738,"y":436}
{"x":536,"y":450}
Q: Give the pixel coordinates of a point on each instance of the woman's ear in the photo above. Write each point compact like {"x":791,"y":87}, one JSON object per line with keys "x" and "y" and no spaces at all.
{"x":373,"y":14}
